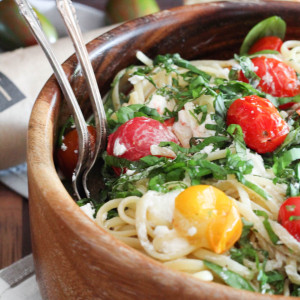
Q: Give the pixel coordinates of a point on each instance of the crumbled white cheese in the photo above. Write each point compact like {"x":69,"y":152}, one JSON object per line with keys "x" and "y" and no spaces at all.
{"x":161,"y":230}
{"x":88,"y":210}
{"x":135,"y":79}
{"x":63,"y":147}
{"x":129,"y":172}
{"x":174,"y":245}
{"x":201,"y":131}
{"x":192,"y":231}
{"x":188,"y":126}
{"x":268,"y":79}
{"x":161,"y":207}
{"x":160,"y":103}
{"x":119,"y":149}
{"x":207,"y":149}
{"x":162,"y":151}
{"x":182,"y":129}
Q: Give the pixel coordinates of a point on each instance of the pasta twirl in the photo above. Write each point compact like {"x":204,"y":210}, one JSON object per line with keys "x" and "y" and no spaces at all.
{"x":201,"y":169}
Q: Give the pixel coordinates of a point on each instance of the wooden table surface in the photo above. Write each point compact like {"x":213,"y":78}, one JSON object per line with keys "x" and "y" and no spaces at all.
{"x":14,"y":216}
{"x":14,"y":227}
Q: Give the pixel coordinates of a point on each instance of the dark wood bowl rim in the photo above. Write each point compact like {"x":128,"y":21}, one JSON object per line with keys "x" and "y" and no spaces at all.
{"x":42,"y":169}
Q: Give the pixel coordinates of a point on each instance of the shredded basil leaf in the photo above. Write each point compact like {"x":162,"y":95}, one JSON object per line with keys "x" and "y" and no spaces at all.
{"x":272,"y":235}
{"x":231,"y":278}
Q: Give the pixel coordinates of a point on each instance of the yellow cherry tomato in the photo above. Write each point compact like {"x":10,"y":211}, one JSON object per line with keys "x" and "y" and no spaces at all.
{"x":207,"y":217}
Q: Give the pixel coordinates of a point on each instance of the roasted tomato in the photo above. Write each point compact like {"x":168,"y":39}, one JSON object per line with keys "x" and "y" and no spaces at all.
{"x":207,"y":217}
{"x":133,"y":139}
{"x":277,"y":78}
{"x":266,"y":43}
{"x":289,"y":216}
{"x":67,"y":154}
{"x":263,"y":127}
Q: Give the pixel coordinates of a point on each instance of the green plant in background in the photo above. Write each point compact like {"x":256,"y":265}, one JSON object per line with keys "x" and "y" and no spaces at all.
{"x":14,"y":32}
{"x":123,"y":10}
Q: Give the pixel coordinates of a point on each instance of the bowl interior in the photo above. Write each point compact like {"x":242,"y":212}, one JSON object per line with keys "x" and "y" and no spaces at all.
{"x":210,"y":31}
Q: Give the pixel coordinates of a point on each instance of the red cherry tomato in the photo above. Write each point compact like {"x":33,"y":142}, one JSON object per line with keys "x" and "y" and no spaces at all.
{"x":67,"y":154}
{"x":264,"y":129}
{"x":286,"y":105}
{"x":169,"y":122}
{"x":277,"y":78}
{"x":289,"y":216}
{"x":133,"y":139}
{"x":266,"y":43}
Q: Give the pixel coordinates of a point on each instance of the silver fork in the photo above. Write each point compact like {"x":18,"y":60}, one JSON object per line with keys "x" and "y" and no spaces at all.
{"x":86,"y":155}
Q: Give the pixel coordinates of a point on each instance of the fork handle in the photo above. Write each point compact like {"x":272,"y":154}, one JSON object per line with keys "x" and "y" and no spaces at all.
{"x":68,"y":14}
{"x":83,"y":138}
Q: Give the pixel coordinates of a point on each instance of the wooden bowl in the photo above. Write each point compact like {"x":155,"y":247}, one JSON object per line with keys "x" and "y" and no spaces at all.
{"x":75,"y":258}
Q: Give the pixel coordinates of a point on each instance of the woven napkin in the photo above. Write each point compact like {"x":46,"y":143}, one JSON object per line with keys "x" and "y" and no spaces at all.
{"x":22,"y":75}
{"x":18,"y":282}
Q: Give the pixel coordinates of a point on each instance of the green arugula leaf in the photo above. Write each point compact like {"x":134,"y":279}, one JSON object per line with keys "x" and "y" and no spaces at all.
{"x":248,"y":69}
{"x":187,"y":65}
{"x":69,"y":123}
{"x":231,"y":278}
{"x":285,"y":100}
{"x":233,"y":90}
{"x":238,"y":136}
{"x":262,"y":52}
{"x":285,"y":160}
{"x":293,"y":138}
{"x":253,"y":186}
{"x":272,"y":235}
{"x":271,"y":26}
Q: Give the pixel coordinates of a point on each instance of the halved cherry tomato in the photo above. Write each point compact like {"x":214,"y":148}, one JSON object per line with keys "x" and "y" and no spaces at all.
{"x":289,"y":216}
{"x":277,"y":78}
{"x":67,"y":154}
{"x":263,"y":127}
{"x":133,"y":139}
{"x":266,"y":43}
{"x":207,"y":217}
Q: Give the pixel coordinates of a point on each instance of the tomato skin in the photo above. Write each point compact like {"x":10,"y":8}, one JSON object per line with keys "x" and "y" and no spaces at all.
{"x":266,"y":43}
{"x":169,"y":122}
{"x":67,"y":154}
{"x":286,"y":105}
{"x":133,"y":139}
{"x":289,"y":208}
{"x":263,"y":127}
{"x":214,"y":216}
{"x":277,"y":78}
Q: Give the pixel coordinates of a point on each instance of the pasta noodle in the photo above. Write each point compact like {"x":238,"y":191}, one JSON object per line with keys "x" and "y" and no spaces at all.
{"x":291,"y":54}
{"x":143,"y":202}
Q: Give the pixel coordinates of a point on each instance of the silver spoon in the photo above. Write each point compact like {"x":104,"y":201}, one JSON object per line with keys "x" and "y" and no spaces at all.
{"x":86,"y":157}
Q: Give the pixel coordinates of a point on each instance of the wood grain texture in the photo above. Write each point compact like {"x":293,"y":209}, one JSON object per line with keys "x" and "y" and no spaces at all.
{"x":14,"y":227}
{"x":74,"y":258}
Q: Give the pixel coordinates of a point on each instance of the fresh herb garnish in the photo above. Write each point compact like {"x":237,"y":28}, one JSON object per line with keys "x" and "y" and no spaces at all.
{"x":231,"y":278}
